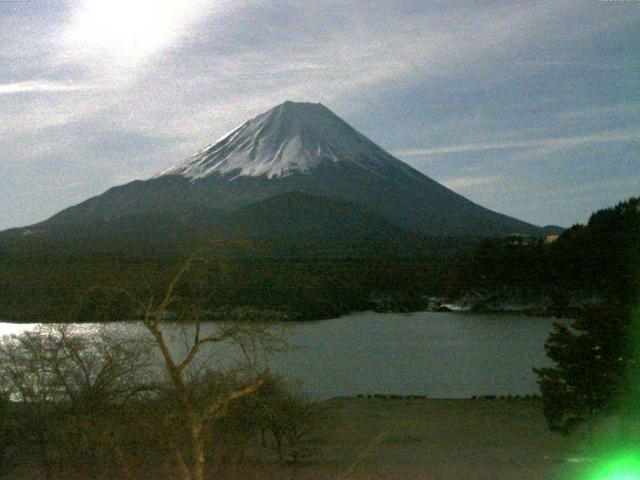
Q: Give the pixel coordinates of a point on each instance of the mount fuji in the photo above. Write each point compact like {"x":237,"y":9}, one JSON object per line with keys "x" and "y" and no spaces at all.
{"x":296,"y":157}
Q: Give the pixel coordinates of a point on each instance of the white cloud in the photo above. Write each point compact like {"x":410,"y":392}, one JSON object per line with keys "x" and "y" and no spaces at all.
{"x":540,"y":146}
{"x":602,"y":111}
{"x":40,"y":86}
{"x":460,"y":183}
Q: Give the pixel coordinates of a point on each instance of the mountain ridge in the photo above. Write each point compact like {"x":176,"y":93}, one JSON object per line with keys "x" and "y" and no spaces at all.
{"x":297,"y":147}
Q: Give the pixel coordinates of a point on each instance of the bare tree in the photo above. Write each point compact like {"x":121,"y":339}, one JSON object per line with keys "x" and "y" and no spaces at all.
{"x":28,"y":380}
{"x":58,"y":372}
{"x":288,"y":423}
{"x":191,"y":351}
{"x":205,"y":367}
{"x":82,"y":369}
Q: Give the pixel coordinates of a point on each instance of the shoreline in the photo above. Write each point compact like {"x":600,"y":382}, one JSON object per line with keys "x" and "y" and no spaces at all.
{"x":458,"y":311}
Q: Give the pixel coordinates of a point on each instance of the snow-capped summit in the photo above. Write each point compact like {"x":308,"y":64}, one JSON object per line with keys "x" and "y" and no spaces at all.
{"x":294,"y":151}
{"x":291,"y":137}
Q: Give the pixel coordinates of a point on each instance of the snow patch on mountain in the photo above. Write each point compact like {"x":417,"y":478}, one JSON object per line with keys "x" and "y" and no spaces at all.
{"x":292,"y":137}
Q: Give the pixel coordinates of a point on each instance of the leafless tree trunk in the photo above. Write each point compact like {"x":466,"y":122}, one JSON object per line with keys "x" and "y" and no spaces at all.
{"x":197,"y":410}
{"x":86,"y":373}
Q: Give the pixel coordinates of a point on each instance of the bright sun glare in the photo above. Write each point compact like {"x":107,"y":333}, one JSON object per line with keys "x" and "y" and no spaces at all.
{"x":127,"y":31}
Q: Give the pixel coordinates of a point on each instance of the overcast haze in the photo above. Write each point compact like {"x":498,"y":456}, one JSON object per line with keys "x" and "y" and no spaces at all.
{"x":528,"y":108}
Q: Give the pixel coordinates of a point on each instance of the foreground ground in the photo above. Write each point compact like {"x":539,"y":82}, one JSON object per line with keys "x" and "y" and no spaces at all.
{"x":373,"y":438}
{"x":442,"y":439}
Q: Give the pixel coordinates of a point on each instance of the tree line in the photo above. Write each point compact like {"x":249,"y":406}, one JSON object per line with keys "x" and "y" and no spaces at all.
{"x":598,"y":258}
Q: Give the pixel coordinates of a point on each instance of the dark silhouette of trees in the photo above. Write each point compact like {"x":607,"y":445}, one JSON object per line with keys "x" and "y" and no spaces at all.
{"x":596,"y":358}
{"x":593,"y":358}
{"x":599,"y":259}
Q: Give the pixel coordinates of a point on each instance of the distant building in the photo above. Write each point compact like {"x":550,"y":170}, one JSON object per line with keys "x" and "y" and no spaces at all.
{"x":551,"y":238}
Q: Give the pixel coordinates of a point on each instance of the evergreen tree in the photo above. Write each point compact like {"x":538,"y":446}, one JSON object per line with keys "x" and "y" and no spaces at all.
{"x":593,"y":358}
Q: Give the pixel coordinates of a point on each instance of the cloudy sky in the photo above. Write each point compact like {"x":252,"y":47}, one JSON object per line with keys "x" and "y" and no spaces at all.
{"x":529,"y":108}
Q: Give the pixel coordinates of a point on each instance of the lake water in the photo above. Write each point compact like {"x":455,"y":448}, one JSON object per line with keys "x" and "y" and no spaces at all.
{"x":441,"y":355}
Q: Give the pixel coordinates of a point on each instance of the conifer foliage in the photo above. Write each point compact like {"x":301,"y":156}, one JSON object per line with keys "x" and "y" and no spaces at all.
{"x":596,"y":357}
{"x":592,"y":358}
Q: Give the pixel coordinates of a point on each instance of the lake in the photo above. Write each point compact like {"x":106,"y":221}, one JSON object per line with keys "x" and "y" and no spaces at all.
{"x":441,"y":355}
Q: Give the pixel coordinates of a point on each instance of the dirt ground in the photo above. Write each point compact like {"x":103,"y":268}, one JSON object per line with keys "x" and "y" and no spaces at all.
{"x":373,"y":438}
{"x":442,"y":440}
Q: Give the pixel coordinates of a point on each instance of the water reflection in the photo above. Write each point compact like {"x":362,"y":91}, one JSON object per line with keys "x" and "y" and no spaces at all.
{"x":442,"y":355}
{"x":16,"y":328}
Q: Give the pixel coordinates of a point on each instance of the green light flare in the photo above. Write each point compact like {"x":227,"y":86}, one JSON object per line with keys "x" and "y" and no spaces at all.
{"x":621,"y":466}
